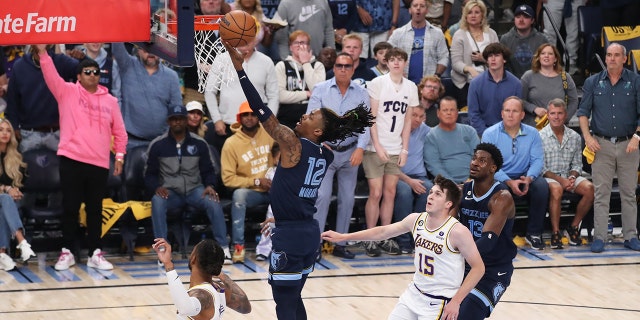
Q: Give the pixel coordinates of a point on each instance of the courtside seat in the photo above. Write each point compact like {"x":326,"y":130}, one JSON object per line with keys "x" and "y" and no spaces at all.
{"x":42,"y":203}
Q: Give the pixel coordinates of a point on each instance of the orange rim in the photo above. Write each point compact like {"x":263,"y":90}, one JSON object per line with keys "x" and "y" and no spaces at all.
{"x":206,"y":22}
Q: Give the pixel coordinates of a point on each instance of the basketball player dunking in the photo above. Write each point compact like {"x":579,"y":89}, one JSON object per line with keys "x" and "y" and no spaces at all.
{"x":487,"y":209}
{"x":294,"y":189}
{"x":442,"y":246}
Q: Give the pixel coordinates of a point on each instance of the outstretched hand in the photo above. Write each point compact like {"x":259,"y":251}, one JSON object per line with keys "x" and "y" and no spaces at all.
{"x":163,"y":249}
{"x":332,"y":236}
{"x":236,"y":56}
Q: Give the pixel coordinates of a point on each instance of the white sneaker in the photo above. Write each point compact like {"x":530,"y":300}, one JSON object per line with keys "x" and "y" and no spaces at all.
{"x":6,"y":263}
{"x":65,"y":260}
{"x":227,"y":256}
{"x":25,"y":251}
{"x":98,"y":261}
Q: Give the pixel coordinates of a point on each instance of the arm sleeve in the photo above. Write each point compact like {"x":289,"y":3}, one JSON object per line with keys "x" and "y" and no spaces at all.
{"x":152,"y":168}
{"x":253,"y":97}
{"x":54,"y":82}
{"x":473,"y":102}
{"x":187,"y":306}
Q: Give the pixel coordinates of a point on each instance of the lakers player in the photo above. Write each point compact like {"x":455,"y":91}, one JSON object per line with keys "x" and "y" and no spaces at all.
{"x":442,"y":246}
{"x":206,"y":297}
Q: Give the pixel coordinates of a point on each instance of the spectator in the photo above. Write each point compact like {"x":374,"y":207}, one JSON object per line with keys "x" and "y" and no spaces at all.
{"x":428,"y":52}
{"x":268,"y":46}
{"x":263,"y":248}
{"x":352,"y":44}
{"x":392,"y":97}
{"x":345,"y":15}
{"x":522,"y":40}
{"x":545,"y":81}
{"x":620,"y":12}
{"x":91,"y":123}
{"x":610,"y":134}
{"x":378,"y":19}
{"x":521,"y":148}
{"x":149,"y":91}
{"x":439,"y":12}
{"x":340,"y":94}
{"x":487,"y":209}
{"x":195,"y":118}
{"x":564,"y":12}
{"x":297,"y":75}
{"x":293,"y":197}
{"x":449,"y":146}
{"x":223,"y":112}
{"x":190,"y":74}
{"x":245,"y":159}
{"x":13,"y":173}
{"x":562,"y":163}
{"x":253,"y":8}
{"x":430,"y":89}
{"x":379,"y":52}
{"x":313,"y":17}
{"x":467,"y":61}
{"x":328,"y":57}
{"x":434,"y":296}
{"x":179,"y":172}
{"x":109,"y":73}
{"x":210,"y":289}
{"x":31,"y":107}
{"x":413,"y":185}
{"x":491,"y":88}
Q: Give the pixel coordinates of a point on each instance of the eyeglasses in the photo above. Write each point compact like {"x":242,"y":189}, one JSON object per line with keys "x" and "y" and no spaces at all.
{"x":343,"y":66}
{"x":95,"y":72}
{"x":300,"y":43}
{"x":432,"y":87}
{"x":514,"y":148}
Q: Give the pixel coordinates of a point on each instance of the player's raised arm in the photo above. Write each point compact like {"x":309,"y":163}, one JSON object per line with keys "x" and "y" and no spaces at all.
{"x":289,"y":142}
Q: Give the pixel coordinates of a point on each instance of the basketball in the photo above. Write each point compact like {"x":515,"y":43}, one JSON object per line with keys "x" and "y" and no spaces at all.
{"x":238,"y":28}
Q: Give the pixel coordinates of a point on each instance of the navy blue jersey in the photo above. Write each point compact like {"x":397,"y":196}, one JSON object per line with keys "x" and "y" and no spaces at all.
{"x":294,"y":190}
{"x":474,"y":212}
{"x":344,"y":12}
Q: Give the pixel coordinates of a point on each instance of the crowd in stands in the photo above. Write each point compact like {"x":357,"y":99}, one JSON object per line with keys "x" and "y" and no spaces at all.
{"x":411,"y":62}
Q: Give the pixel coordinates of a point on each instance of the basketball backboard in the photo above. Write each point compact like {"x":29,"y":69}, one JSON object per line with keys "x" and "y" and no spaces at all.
{"x":172,"y":33}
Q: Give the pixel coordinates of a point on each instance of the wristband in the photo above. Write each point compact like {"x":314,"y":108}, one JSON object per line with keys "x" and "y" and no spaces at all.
{"x":404,"y":151}
{"x":635,"y":135}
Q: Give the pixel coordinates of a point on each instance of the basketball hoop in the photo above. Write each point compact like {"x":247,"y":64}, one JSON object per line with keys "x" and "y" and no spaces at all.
{"x":206,"y":51}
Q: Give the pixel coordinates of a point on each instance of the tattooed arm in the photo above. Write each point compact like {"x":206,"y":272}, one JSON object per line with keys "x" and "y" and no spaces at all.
{"x":236,"y":297}
{"x":290,"y":145}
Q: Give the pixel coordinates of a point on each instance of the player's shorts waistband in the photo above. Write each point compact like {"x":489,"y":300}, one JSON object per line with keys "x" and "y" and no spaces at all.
{"x":431,"y":295}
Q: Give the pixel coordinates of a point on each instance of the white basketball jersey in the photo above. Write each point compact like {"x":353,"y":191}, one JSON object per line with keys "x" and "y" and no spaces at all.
{"x":393,"y":102}
{"x":439,"y":268}
{"x":219,"y":300}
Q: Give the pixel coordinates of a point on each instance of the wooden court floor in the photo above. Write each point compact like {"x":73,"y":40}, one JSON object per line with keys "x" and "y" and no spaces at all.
{"x":572,"y":283}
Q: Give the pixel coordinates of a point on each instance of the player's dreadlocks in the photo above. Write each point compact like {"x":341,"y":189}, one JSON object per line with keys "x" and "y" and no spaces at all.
{"x":339,"y":128}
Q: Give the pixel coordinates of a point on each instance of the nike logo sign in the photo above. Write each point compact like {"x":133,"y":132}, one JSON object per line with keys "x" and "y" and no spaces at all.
{"x":501,"y":274}
{"x":243,"y":77}
{"x":433,"y":304}
{"x":307,"y":12}
{"x":468,"y":198}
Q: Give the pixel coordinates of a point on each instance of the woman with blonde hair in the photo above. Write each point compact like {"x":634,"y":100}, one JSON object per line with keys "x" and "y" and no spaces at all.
{"x":467,"y":46}
{"x":12,"y":170}
{"x":546,"y":81}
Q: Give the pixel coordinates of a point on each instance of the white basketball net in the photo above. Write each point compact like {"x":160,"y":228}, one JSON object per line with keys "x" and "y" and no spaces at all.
{"x":212,"y":72}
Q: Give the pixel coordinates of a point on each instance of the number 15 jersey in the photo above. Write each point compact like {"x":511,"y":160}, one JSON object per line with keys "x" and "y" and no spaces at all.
{"x":439,"y":267}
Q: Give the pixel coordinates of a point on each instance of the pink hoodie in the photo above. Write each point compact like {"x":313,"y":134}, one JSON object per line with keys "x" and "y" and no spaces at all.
{"x":87,"y":120}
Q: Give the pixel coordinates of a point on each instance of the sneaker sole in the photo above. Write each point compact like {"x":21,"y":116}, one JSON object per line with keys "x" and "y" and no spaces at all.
{"x":67,"y":268}
{"x":91,"y":265}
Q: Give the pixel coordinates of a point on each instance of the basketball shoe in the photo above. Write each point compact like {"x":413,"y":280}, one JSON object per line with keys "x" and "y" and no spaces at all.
{"x":6,"y":263}
{"x":25,"y":250}
{"x":227,"y":256}
{"x":98,"y":261}
{"x":238,"y":254}
{"x":65,"y":260}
